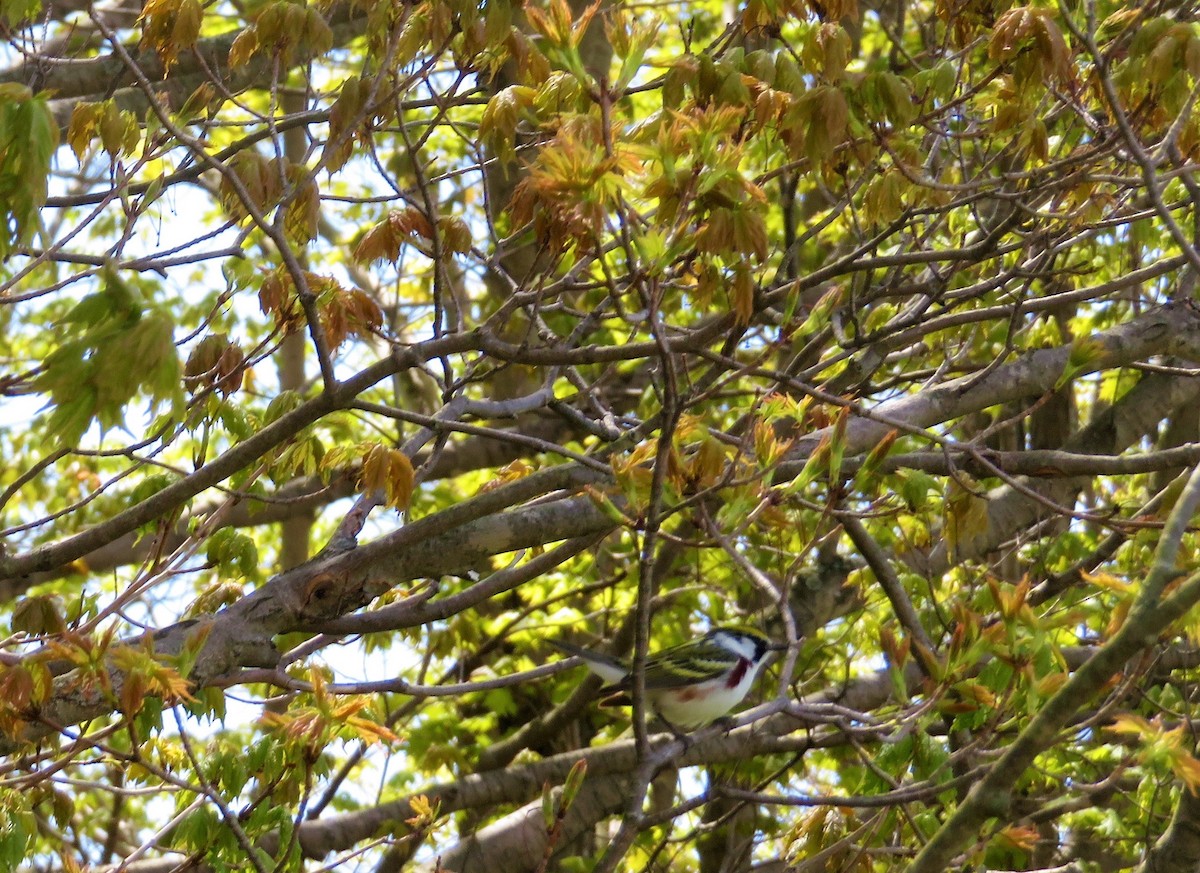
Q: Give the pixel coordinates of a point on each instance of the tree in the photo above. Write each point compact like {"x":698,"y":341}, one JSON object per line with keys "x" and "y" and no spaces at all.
{"x":356,"y":349}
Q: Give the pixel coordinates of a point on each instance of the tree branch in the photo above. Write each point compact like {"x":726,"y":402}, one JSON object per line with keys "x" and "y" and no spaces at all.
{"x":992,"y":796}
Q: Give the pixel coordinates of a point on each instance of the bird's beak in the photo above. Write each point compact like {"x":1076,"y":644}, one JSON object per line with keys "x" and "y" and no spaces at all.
{"x":778,"y":647}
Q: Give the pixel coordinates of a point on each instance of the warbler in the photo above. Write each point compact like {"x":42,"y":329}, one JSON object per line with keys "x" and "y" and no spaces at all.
{"x":688,"y":685}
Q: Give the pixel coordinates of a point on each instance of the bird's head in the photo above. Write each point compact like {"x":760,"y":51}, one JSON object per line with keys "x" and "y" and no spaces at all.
{"x":745,"y":642}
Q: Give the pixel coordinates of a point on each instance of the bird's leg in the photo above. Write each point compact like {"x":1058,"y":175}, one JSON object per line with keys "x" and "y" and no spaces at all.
{"x":682,"y":736}
{"x":725,"y":723}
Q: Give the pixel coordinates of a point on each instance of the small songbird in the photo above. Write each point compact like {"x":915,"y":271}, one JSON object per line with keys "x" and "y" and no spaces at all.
{"x":688,"y":685}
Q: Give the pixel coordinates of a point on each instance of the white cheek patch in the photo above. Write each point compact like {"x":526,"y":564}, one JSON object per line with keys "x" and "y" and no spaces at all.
{"x":738,"y":644}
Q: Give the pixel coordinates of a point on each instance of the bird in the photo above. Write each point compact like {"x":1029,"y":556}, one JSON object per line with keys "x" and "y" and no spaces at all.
{"x":689,"y":685}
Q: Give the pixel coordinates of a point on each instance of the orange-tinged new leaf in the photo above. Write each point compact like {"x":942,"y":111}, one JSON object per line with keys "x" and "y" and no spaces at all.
{"x":511,"y":472}
{"x":1029,"y":29}
{"x":579,"y":28}
{"x":835,"y":10}
{"x":750,"y":233}
{"x":215,"y":361}
{"x":170,"y":26}
{"x":768,"y":447}
{"x":1049,"y":684}
{"x":555,"y":23}
{"x":16,"y":687}
{"x":498,"y":123}
{"x":708,"y":463}
{"x":317,"y":36}
{"x":303,"y":212}
{"x":345,"y":111}
{"x":425,"y":813}
{"x":1117,"y":617}
{"x":401,"y":480}
{"x":277,"y":297}
{"x":411,"y":220}
{"x":172,"y":687}
{"x":1187,"y":768}
{"x":364,"y":311}
{"x":1011,"y":29}
{"x":1120,"y":21}
{"x":455,"y":234}
{"x":817,"y":122}
{"x":1129,"y":723}
{"x":145,"y":675}
{"x":380,"y":243}
{"x":976,"y":692}
{"x":383,"y":241}
{"x":259,"y":180}
{"x":186,"y":28}
{"x":245,"y":44}
{"x":370,"y":732}
{"x":1023,"y":837}
{"x":82,"y":128}
{"x":742,"y":294}
{"x":770,"y":105}
{"x":875,"y":457}
{"x":830,"y":50}
{"x":884,"y":197}
{"x":1055,"y":56}
{"x":118,"y":130}
{"x":389,"y":472}
{"x":1108,"y":582}
{"x":133,"y":693}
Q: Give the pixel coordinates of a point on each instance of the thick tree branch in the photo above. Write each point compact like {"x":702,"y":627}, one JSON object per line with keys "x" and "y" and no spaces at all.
{"x":1168,"y":330}
{"x":1178,"y":849}
{"x":518,"y":842}
{"x":1011,"y":510}
{"x":309,"y":596}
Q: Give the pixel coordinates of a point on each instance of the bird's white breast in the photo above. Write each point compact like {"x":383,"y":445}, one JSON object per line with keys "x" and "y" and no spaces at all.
{"x":699,"y":704}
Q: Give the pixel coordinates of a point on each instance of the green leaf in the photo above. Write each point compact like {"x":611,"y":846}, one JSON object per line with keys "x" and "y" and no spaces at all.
{"x":233,"y":552}
{"x":14,"y":12}
{"x":549,"y":807}
{"x":28,"y":138}
{"x":185,"y":661}
{"x":640,"y":38}
{"x":17,"y":828}
{"x":1086,"y":353}
{"x":283,"y":403}
{"x":71,"y":418}
{"x":38,"y":614}
{"x":574,"y":782}
{"x":966,"y":512}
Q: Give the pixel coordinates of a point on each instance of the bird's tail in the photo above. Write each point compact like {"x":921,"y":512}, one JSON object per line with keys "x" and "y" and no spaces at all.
{"x":608,"y":668}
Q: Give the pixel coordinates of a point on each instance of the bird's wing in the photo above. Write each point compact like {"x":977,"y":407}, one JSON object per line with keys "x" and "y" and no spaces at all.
{"x":687,"y":664}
